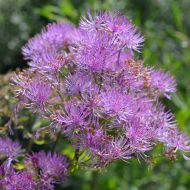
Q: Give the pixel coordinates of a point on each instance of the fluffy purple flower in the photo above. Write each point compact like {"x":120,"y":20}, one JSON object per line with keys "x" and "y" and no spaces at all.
{"x":9,"y":148}
{"x":121,"y":28}
{"x":94,"y":51}
{"x":52,"y":167}
{"x":168,"y":134}
{"x":92,"y":24}
{"x":55,"y":64}
{"x":72,"y":118}
{"x":163,"y":83}
{"x":77,"y":83}
{"x":18,"y":181}
{"x":50,"y":164}
{"x":38,"y":92}
{"x":139,"y":138}
{"x":91,"y":100}
{"x":113,"y":102}
{"x":42,"y":48}
{"x":119,"y":149}
{"x":102,"y":148}
{"x":33,"y":92}
{"x":100,"y":43}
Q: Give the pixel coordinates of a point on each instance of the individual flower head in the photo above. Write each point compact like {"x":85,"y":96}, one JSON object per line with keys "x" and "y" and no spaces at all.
{"x":182,"y":143}
{"x":18,"y":180}
{"x":77,"y":83}
{"x":113,"y":149}
{"x":174,"y":140}
{"x":52,"y":167}
{"x":163,"y":83}
{"x":120,"y":149}
{"x":168,"y":134}
{"x":141,"y":129}
{"x":102,"y":148}
{"x":38,"y":92}
{"x":72,"y":118}
{"x":91,"y":100}
{"x":92,"y":140}
{"x":32,"y":90}
{"x":93,"y":51}
{"x":115,"y":24}
{"x":9,"y":148}
{"x":92,"y":24}
{"x":51,"y":164}
{"x":115,"y":103}
{"x":139,"y":138}
{"x":55,"y":63}
{"x":43,"y":47}
{"x":99,"y":43}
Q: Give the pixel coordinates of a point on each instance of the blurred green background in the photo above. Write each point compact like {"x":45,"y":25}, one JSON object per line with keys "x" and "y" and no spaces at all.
{"x":166,"y":27}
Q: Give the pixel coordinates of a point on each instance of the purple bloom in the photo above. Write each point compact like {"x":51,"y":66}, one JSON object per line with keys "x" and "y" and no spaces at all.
{"x":56,"y":62}
{"x":18,"y":180}
{"x":100,"y":43}
{"x":163,"y":82}
{"x":139,"y":138}
{"x":120,"y":149}
{"x":93,"y":51}
{"x":121,"y":28}
{"x":113,"y":102}
{"x":52,"y":167}
{"x":33,"y":92}
{"x":9,"y":148}
{"x":93,"y":24}
{"x":42,"y":48}
{"x":102,"y":148}
{"x":72,"y":118}
{"x":168,"y":134}
{"x":50,"y":164}
{"x":38,"y":92}
{"x":91,"y":100}
{"x":77,"y":83}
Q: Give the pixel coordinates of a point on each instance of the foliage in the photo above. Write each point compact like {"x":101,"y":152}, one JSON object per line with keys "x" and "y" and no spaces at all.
{"x":18,"y":21}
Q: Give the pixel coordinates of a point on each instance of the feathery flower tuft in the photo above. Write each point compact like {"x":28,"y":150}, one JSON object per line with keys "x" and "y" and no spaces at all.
{"x":52,"y":167}
{"x":9,"y":148}
{"x":43,"y":47}
{"x":91,"y":88}
{"x":50,"y":164}
{"x":163,"y":82}
{"x":18,"y":180}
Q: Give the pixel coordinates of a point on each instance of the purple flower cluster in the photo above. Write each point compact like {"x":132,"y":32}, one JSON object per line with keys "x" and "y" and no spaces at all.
{"x":52,"y":167}
{"x":17,"y":180}
{"x":45,"y":50}
{"x":88,"y":83}
{"x":40,"y":170}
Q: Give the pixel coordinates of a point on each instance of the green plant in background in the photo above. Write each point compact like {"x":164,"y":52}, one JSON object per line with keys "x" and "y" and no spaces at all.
{"x":167,"y":33}
{"x":18,"y":21}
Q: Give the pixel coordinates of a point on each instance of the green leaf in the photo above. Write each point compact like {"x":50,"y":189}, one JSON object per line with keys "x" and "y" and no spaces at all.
{"x":39,"y":142}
